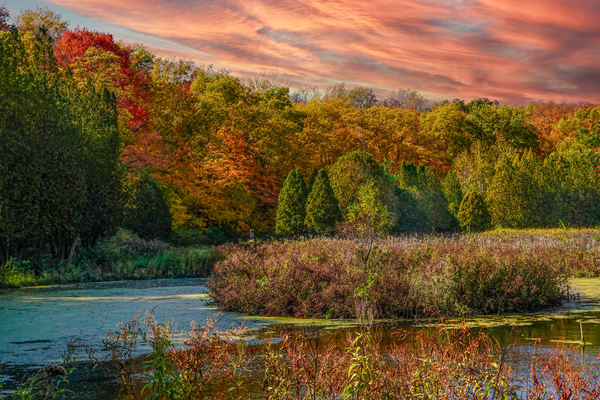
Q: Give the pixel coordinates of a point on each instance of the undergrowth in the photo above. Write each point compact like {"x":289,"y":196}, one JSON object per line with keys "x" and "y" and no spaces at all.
{"x":123,"y":256}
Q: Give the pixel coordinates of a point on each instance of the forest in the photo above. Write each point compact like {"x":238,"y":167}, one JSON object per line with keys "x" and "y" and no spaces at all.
{"x":98,"y":134}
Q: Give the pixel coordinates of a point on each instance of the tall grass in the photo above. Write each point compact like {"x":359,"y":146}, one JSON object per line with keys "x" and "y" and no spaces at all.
{"x":431,"y":363}
{"x":403,"y":276}
{"x":123,"y":256}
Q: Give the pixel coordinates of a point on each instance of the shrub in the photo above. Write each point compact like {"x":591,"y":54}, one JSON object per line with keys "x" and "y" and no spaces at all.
{"x":405,"y":278}
{"x":17,"y":273}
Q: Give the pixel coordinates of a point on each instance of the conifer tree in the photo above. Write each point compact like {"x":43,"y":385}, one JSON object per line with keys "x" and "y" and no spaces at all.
{"x":313,"y":177}
{"x":150,"y":216}
{"x":407,"y":175}
{"x":452,"y":192}
{"x":322,"y":209}
{"x":291,"y":208}
{"x":473,"y":214}
{"x":511,"y":196}
{"x":432,"y":199}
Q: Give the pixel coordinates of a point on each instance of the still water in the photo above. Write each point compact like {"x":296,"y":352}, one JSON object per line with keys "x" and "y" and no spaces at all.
{"x":37,"y":323}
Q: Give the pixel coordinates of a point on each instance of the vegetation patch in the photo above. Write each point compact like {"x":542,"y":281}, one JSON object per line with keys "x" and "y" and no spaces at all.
{"x":123,"y":256}
{"x":399,"y":277}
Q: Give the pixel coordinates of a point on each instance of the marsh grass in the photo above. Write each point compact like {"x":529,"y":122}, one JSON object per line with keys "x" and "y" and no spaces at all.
{"x":405,"y":277}
{"x":430,"y":363}
{"x":123,"y":256}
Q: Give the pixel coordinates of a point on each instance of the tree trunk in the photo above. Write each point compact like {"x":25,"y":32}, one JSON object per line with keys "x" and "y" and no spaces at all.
{"x":72,"y":249}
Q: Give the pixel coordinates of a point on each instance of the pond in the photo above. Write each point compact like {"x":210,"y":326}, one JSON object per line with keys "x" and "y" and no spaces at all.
{"x":37,"y":323}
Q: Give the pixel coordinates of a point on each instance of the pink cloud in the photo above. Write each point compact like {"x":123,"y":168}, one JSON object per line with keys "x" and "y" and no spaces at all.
{"x":512,"y":50}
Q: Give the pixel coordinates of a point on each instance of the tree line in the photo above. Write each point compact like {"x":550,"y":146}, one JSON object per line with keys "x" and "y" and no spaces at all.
{"x":215,"y":150}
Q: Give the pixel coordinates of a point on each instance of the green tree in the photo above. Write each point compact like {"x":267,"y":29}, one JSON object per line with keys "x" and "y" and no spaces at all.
{"x":291,"y":206}
{"x":407,"y":175}
{"x":32,"y":21}
{"x":313,"y":178}
{"x":350,"y":172}
{"x":512,"y":196}
{"x":149,"y":215}
{"x":452,"y":192}
{"x":450,"y":129}
{"x":54,"y":138}
{"x":432,"y":200}
{"x":322,"y":209}
{"x":368,"y":215}
{"x":472,"y":214}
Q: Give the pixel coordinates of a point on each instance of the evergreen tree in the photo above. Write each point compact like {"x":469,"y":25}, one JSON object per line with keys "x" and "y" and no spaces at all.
{"x":291,"y":207}
{"x":411,"y":217}
{"x":322,"y":209}
{"x":511,"y":196}
{"x":432,"y":200}
{"x":452,"y":192}
{"x":150,"y":216}
{"x":473,"y":214}
{"x":407,"y":175}
{"x":313,"y":177}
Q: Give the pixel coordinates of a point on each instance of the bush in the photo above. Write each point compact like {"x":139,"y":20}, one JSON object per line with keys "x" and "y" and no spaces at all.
{"x":17,"y":273}
{"x":123,"y":256}
{"x":212,"y":235}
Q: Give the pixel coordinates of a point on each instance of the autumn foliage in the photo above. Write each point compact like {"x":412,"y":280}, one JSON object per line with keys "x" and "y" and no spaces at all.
{"x":220,"y":147}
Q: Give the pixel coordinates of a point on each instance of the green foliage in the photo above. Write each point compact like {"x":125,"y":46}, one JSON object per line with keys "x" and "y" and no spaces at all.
{"x":149,"y":216}
{"x":452,"y":192}
{"x":322,"y":209}
{"x":473,"y":214}
{"x":412,"y":217}
{"x":59,"y":158}
{"x":432,"y":200}
{"x":350,"y":172}
{"x":368,"y":215}
{"x":512,"y":198}
{"x":475,"y":167}
{"x":450,"y":128}
{"x":505,"y":123}
{"x":313,"y":178}
{"x":407,"y":176}
{"x":291,"y":207}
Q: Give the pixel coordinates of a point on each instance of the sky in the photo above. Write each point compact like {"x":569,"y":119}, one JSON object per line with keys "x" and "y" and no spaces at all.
{"x":509,"y":50}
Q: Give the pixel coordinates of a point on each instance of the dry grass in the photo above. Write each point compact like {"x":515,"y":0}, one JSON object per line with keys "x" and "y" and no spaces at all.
{"x":408,"y":276}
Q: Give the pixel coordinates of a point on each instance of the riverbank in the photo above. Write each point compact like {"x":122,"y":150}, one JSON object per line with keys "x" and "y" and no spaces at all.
{"x":123,"y":256}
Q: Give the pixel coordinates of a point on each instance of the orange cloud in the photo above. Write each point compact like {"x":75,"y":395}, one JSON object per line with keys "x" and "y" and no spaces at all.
{"x":510,"y":50}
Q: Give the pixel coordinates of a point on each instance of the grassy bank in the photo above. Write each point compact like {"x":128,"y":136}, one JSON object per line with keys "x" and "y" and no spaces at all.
{"x":123,"y":256}
{"x":495,"y":272}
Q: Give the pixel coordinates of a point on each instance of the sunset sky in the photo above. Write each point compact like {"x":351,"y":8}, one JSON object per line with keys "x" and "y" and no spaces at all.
{"x":510,"y":50}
